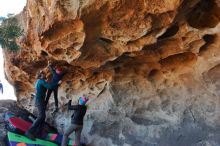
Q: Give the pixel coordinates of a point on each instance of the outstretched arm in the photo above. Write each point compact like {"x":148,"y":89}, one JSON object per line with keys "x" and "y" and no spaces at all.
{"x":47,"y":85}
{"x":52,"y":70}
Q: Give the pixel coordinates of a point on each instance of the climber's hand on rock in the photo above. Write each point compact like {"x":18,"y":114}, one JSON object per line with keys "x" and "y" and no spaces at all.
{"x":49,"y":63}
{"x":60,"y":82}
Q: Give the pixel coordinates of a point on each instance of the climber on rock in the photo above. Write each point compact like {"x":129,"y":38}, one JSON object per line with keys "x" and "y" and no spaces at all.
{"x":57,"y":75}
{"x":76,"y":120}
{"x":41,"y":87}
{"x":1,"y":87}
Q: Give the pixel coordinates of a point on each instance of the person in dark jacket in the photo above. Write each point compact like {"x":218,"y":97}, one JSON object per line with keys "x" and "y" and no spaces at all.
{"x":57,"y":74}
{"x":41,"y":87}
{"x":76,"y":120}
{"x":1,"y":87}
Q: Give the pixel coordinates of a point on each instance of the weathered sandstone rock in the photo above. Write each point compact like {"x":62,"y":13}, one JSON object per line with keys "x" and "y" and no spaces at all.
{"x":152,"y":67}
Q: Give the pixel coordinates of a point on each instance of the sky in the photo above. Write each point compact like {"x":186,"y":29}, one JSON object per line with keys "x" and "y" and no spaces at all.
{"x":6,"y":7}
{"x":11,"y":6}
{"x":8,"y":89}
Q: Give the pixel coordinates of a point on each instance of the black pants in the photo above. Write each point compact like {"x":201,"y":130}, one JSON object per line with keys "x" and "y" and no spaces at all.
{"x":38,"y":124}
{"x":55,"y":92}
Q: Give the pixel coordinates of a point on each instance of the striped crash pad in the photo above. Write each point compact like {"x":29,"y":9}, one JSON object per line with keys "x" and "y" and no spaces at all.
{"x":19,"y":140}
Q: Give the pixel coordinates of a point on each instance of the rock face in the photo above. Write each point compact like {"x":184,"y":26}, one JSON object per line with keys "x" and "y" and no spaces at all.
{"x":152,"y":67}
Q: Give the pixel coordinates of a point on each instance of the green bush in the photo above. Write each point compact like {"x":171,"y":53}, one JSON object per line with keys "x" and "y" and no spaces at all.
{"x":9,"y":32}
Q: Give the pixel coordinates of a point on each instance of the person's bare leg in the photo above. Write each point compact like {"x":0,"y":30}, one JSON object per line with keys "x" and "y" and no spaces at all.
{"x":67,"y":133}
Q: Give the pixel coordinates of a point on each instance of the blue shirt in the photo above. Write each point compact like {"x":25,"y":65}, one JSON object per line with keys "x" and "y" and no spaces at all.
{"x":41,"y":87}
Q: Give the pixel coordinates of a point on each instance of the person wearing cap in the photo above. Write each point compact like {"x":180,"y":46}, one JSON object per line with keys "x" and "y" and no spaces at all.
{"x":57,"y":75}
{"x":41,"y":87}
{"x":76,"y":120}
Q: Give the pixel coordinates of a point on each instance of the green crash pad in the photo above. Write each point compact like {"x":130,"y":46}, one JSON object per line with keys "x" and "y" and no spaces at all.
{"x":16,"y":138}
{"x":57,"y":138}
